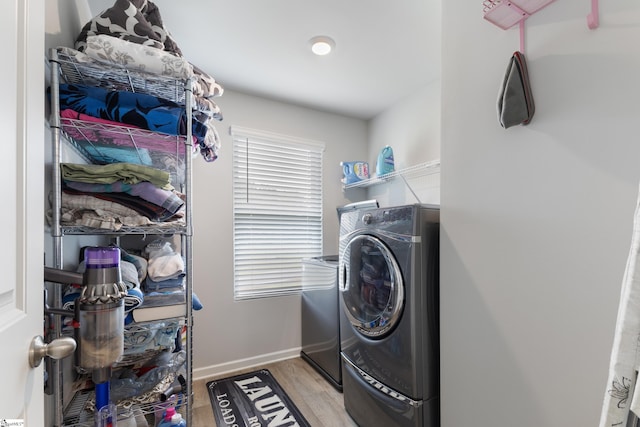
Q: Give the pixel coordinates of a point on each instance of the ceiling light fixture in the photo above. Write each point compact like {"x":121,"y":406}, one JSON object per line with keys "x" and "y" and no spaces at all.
{"x":322,"y":45}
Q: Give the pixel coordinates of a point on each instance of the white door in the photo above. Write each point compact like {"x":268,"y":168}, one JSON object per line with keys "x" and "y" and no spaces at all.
{"x":22,"y":175}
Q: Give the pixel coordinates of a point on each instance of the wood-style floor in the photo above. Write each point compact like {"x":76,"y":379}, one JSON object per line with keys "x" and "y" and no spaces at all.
{"x":320,"y":403}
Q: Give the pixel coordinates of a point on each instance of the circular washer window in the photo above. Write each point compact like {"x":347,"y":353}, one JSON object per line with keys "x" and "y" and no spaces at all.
{"x":371,"y":286}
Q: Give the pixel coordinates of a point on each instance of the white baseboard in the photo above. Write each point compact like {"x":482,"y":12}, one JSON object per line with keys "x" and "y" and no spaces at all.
{"x":250,"y":362}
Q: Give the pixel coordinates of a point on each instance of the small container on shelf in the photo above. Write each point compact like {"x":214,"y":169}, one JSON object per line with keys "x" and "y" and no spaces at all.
{"x":354,"y":171}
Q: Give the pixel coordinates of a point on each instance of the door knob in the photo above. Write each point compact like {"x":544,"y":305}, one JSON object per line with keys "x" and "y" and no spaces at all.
{"x":56,"y":349}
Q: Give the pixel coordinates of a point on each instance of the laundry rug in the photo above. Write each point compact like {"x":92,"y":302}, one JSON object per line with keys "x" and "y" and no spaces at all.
{"x":253,"y":399}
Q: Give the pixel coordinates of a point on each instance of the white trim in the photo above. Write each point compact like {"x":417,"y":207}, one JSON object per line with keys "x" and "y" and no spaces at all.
{"x":250,"y":362}
{"x":240,"y":132}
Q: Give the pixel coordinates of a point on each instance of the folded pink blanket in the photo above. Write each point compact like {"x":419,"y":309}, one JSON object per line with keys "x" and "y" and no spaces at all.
{"x":101,"y":133}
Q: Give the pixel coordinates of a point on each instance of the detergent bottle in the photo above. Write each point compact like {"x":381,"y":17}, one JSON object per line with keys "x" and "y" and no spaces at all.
{"x":354,"y":171}
{"x":385,"y":163}
{"x":167,"y":417}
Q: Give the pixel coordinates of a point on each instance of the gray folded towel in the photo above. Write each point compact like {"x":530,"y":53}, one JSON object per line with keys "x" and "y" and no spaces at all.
{"x":515,"y":100}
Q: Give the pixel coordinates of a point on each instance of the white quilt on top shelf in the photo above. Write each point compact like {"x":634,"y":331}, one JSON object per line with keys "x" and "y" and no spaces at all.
{"x":138,"y":57}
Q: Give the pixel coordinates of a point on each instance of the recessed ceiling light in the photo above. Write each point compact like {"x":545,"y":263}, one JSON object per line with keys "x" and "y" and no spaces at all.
{"x":322,"y":45}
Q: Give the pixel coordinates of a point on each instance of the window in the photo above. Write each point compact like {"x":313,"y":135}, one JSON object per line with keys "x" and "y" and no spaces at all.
{"x":277,"y":211}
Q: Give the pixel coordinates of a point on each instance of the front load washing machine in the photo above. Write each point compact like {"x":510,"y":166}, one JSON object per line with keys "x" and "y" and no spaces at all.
{"x":388,"y":278}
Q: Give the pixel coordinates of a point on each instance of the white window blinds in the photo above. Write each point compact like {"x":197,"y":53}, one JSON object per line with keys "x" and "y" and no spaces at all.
{"x":277,"y":211}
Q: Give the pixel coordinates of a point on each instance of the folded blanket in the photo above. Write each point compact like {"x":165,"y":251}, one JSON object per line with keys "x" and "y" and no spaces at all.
{"x":109,"y":174}
{"x":165,"y":263}
{"x":150,"y":285}
{"x":204,"y":87}
{"x":165,"y":267}
{"x":106,"y":145}
{"x":104,"y":154}
{"x":146,"y":59}
{"x":107,"y":209}
{"x":89,"y":211}
{"x":174,"y":295}
{"x":68,"y":113}
{"x":205,"y":109}
{"x":146,"y":111}
{"x":102,"y":139}
{"x":145,"y":190}
{"x":138,"y":57}
{"x":106,"y":141}
{"x":139,"y":262}
{"x":146,"y":209}
{"x":137,"y":21}
{"x":129,"y":274}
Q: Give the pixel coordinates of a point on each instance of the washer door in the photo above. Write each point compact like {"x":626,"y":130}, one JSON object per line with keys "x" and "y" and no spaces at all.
{"x":371,"y":286}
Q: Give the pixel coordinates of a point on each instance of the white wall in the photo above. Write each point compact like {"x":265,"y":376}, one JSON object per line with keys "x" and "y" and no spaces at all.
{"x":232,"y":334}
{"x":537,"y":219}
{"x":412,"y":129}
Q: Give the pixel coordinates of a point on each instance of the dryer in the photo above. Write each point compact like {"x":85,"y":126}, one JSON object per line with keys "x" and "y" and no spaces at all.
{"x":388,"y":278}
{"x":320,"y":317}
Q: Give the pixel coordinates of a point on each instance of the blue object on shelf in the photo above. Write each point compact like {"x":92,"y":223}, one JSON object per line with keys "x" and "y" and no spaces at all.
{"x":385,"y":163}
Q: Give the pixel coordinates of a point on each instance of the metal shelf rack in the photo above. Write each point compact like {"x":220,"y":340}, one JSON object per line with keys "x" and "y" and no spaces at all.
{"x":87,"y":139}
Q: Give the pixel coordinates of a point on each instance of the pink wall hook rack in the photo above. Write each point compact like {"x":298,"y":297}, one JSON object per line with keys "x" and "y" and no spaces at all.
{"x":522,"y":36}
{"x":593,"y":19}
{"x":507,"y":13}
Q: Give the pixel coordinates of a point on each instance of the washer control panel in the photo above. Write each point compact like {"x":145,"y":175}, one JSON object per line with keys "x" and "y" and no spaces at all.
{"x":397,"y":219}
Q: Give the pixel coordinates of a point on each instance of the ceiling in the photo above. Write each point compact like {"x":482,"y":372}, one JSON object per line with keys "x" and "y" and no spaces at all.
{"x":384,"y":50}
